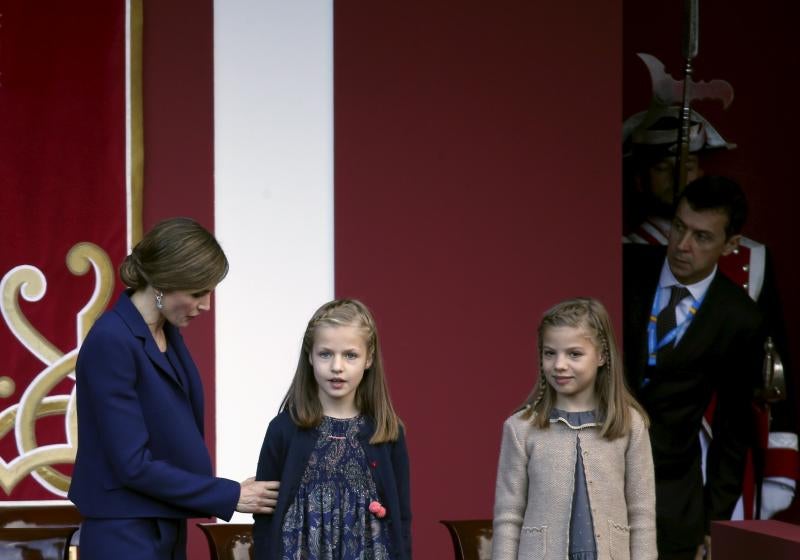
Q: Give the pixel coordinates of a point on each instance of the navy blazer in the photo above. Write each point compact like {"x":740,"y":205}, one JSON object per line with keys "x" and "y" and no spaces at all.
{"x":141,"y":451}
{"x":284,"y":456}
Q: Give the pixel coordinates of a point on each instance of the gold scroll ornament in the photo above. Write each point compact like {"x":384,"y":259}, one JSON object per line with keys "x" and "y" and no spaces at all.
{"x":35,"y":402}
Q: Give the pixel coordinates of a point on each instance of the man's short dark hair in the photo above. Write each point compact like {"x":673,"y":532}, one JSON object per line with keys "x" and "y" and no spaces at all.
{"x":713,"y":192}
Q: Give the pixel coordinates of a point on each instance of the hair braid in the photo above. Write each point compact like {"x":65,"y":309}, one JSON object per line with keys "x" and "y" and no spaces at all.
{"x":541,"y":389}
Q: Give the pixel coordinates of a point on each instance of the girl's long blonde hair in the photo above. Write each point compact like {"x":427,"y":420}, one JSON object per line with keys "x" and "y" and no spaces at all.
{"x":614,"y":400}
{"x":372,"y":395}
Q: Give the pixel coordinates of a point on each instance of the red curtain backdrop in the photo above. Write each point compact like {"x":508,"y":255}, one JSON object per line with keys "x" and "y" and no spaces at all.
{"x":477,"y":183}
{"x":178,"y":100}
{"x":62,"y":182}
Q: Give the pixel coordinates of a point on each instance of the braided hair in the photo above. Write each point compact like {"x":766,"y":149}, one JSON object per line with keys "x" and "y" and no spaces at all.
{"x":614,"y":398}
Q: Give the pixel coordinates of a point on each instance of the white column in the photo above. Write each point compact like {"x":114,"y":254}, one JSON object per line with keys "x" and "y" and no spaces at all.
{"x":273,"y":103}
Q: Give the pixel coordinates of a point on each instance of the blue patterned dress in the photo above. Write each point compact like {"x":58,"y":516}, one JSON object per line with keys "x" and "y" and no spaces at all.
{"x":330,"y":518}
{"x":582,"y":545}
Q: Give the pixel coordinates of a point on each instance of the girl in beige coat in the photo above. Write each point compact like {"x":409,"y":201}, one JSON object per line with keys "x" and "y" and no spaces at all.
{"x":575,"y":478}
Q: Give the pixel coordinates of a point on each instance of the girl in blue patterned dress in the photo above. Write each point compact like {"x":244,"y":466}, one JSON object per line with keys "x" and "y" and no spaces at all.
{"x":338,"y":449}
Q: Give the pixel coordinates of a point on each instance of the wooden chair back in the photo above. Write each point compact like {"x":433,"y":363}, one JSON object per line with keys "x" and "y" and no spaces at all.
{"x":36,"y":543}
{"x":472,"y":538}
{"x":15,"y":520}
{"x":229,"y":541}
{"x":39,"y":516}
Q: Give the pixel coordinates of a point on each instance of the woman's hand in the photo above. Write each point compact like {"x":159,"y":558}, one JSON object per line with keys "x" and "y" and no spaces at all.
{"x":258,"y":496}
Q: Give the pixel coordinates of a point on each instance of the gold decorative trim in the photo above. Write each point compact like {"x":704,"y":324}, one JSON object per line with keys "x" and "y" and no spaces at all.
{"x":136,"y":123}
{"x":28,"y":282}
{"x":80,"y":258}
{"x":36,"y":401}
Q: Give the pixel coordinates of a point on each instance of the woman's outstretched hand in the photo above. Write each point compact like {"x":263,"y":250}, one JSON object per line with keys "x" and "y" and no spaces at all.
{"x":258,"y":496}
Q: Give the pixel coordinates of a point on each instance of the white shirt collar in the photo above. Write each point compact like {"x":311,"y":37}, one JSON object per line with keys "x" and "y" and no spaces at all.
{"x":698,"y":289}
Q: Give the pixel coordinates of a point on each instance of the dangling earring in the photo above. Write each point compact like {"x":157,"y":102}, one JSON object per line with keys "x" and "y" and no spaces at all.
{"x":159,"y":303}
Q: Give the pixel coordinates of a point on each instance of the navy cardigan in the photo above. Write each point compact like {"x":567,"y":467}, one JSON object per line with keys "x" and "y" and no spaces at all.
{"x":284,"y":456}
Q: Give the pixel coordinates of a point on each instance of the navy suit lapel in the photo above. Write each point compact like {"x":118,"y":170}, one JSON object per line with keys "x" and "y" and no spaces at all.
{"x":133,"y":319}
{"x":191,"y":382}
{"x":160,"y":360}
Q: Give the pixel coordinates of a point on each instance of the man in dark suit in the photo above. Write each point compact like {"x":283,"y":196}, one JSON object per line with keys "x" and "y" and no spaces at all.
{"x":650,"y":145}
{"x":691,"y":333}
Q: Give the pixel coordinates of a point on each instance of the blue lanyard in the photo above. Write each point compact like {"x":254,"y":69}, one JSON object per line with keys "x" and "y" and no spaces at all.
{"x":653,"y":344}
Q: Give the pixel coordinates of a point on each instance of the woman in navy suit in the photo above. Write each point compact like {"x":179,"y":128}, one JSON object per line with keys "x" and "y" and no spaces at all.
{"x":142,"y":466}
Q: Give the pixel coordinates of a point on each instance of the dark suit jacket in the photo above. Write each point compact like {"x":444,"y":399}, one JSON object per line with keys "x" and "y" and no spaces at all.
{"x":141,"y":451}
{"x":284,"y":457}
{"x":720,"y":353}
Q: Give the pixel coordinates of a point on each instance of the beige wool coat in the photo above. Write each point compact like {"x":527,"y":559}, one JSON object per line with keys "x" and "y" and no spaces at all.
{"x":535,"y":480}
